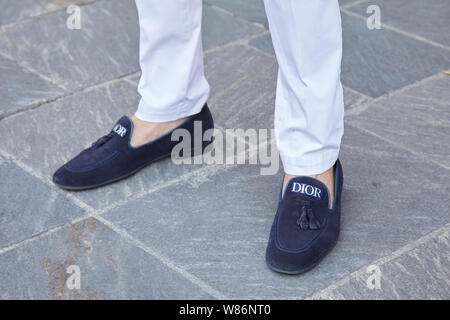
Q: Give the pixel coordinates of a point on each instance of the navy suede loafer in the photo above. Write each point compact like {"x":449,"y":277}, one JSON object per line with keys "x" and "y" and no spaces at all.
{"x":112,"y":158}
{"x":306,"y":226}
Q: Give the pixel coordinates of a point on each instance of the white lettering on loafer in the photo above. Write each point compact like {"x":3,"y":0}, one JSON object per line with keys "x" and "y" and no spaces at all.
{"x":120,"y":130}
{"x":307,"y":189}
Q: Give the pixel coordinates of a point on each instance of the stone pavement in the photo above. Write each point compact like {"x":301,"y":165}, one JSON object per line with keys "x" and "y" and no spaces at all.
{"x":61,"y":89}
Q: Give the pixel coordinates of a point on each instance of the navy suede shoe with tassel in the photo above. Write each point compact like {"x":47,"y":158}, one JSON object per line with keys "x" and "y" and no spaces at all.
{"x":112,"y":158}
{"x":306,"y":225}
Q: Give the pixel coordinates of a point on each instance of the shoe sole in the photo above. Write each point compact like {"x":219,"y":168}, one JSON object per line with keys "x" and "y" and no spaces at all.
{"x":70,"y":188}
{"x":304,"y":270}
{"x":109,"y":181}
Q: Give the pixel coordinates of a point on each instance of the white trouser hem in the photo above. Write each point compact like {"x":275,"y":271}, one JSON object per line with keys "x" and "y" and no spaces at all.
{"x":311,"y":166}
{"x":145,"y":113}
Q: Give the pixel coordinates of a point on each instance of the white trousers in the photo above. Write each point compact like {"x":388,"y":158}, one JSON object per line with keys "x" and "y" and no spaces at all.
{"x":307,"y":38}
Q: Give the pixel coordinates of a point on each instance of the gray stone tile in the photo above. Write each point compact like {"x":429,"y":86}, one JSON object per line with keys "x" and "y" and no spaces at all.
{"x":421,"y":273}
{"x":65,"y":58}
{"x":19,"y":10}
{"x":58,"y":131}
{"x":428,"y":19}
{"x":52,"y":5}
{"x":95,"y":112}
{"x":263,"y":43}
{"x":223,"y":241}
{"x":28,"y":206}
{"x":20,"y":89}
{"x":220,"y":28}
{"x":14,"y":11}
{"x":382,"y":185}
{"x":225,"y":67}
{"x":371,"y":65}
{"x":135,"y":79}
{"x":353,"y":98}
{"x":78,"y":58}
{"x":250,"y":10}
{"x":110,"y":268}
{"x":417,"y":119}
{"x":347,"y":2}
{"x":374,"y":66}
{"x":250,"y":103}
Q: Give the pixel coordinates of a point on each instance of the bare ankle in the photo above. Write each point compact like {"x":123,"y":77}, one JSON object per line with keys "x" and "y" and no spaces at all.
{"x":327,"y":178}
{"x":144,"y":132}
